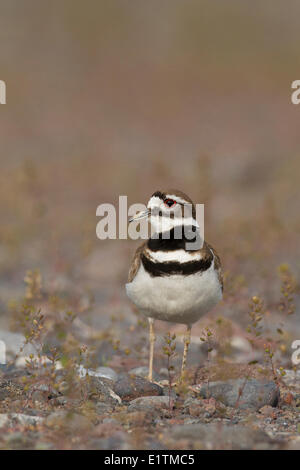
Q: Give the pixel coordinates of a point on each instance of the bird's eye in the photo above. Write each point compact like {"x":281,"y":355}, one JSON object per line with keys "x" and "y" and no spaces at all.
{"x":169,"y":202}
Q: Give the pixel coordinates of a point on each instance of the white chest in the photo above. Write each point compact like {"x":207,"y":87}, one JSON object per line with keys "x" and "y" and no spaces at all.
{"x":175,"y":298}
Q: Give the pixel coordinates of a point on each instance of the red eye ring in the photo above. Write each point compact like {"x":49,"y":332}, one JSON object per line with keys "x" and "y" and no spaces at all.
{"x":169,"y":203}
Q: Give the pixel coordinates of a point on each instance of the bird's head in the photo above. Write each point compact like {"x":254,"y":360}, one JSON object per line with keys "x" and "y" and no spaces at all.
{"x":168,"y":209}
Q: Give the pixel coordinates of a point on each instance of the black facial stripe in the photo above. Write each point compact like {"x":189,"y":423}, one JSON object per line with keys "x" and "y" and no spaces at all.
{"x":173,"y":267}
{"x":159,"y":194}
{"x":170,"y":241}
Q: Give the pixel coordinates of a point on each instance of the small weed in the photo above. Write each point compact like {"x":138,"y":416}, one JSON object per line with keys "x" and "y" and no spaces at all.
{"x":207,"y":338}
{"x":169,"y":351}
{"x":256,"y":314}
{"x":288,"y":288}
{"x":33,"y":280}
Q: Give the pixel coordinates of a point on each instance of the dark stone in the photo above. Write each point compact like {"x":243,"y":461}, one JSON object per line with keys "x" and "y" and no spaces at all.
{"x":221,"y":436}
{"x":150,"y":403}
{"x":99,"y":390}
{"x":254,"y":393}
{"x":143,"y":371}
{"x":129,"y":387}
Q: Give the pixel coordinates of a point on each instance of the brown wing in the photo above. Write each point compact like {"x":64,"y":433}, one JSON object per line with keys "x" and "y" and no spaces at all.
{"x":136,"y":262}
{"x":218,"y":266}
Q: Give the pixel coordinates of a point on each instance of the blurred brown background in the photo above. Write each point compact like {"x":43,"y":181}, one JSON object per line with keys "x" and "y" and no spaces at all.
{"x":114,"y":97}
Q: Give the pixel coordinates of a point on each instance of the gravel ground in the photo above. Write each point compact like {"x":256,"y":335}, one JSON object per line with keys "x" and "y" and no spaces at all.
{"x":124,"y":411}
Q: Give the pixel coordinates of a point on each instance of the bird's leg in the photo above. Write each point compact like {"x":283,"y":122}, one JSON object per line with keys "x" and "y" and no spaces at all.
{"x":152,"y":341}
{"x":187,"y":340}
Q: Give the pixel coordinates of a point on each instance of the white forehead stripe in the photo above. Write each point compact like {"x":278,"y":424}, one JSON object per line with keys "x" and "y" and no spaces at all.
{"x":154,"y":202}
{"x":177,"y":198}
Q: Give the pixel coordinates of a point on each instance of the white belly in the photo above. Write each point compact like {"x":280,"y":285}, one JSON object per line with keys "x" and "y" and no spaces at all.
{"x":176,"y":298}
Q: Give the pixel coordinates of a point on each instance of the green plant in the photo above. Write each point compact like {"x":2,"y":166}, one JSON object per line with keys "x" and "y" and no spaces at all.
{"x":207,"y":338}
{"x":33,"y":281}
{"x":256,"y":314}
{"x":288,"y":288}
{"x":169,"y":351}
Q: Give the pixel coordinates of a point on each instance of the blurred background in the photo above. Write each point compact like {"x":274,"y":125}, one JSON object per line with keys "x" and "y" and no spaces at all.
{"x":123,"y":97}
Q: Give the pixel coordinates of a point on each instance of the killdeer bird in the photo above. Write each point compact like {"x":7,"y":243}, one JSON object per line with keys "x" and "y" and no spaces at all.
{"x":174,"y":276}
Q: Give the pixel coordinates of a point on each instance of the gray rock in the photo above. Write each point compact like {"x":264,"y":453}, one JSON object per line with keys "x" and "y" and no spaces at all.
{"x":42,"y":392}
{"x":194,"y":408}
{"x":45,"y":388}
{"x":107,"y":373}
{"x":129,"y":387}
{"x":118,"y":441}
{"x":63,"y":419}
{"x":101,"y":372}
{"x":99,"y":391}
{"x":149,"y":403}
{"x":255,"y":394}
{"x":143,"y":371}
{"x":14,"y":342}
{"x":221,"y":436}
{"x":11,"y":419}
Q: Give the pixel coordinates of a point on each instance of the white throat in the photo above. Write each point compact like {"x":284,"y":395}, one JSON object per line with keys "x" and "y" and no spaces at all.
{"x":161,"y":224}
